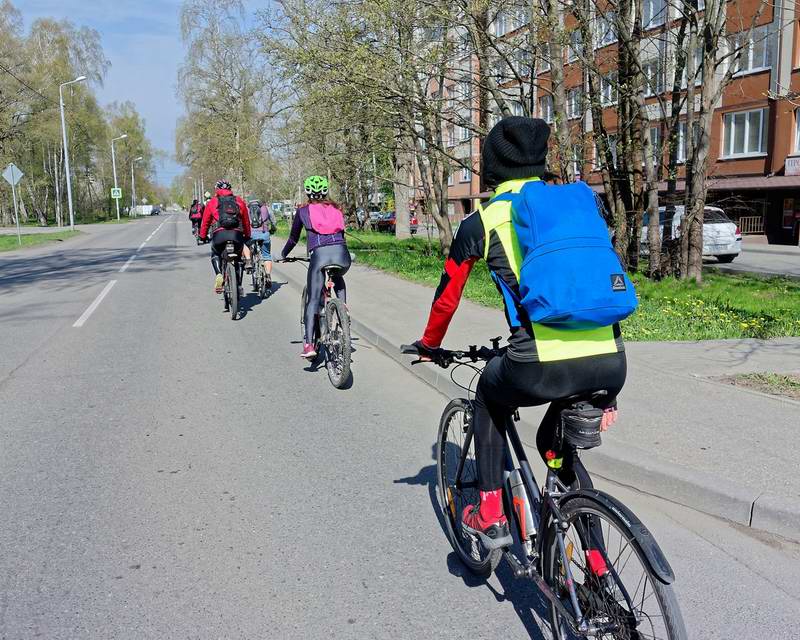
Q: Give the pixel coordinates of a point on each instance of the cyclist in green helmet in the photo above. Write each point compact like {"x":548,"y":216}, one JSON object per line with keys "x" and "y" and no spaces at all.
{"x":324,"y":224}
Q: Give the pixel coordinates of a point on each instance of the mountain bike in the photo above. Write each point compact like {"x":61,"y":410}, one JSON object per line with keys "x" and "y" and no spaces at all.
{"x":331,"y":334}
{"x":262,"y":283}
{"x":231,"y":261}
{"x":600,"y":569}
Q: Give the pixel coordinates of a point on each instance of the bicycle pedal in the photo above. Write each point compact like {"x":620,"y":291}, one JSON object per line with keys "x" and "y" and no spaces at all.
{"x":495,"y":537}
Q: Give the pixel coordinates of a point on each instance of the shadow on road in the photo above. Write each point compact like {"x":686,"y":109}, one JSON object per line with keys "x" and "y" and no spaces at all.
{"x":528,"y":603}
{"x":89,"y":264}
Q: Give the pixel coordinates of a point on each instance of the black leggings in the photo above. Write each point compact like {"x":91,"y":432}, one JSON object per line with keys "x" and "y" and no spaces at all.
{"x":323,"y":257}
{"x":218,"y":242}
{"x":507,"y":384}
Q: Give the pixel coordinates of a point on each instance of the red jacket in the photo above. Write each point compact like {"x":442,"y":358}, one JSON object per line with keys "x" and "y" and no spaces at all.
{"x":211,"y":215}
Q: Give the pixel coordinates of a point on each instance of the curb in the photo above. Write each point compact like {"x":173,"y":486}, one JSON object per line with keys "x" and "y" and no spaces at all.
{"x":628,"y":465}
{"x":747,"y":272}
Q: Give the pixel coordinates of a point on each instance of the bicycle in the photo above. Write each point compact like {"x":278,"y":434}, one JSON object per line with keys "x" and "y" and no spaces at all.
{"x":331,"y":334}
{"x":577,"y":544}
{"x":262,"y":283}
{"x":230,"y":271}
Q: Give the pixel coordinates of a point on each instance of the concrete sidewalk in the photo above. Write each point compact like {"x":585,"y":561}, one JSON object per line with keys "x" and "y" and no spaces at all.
{"x":714,"y":447}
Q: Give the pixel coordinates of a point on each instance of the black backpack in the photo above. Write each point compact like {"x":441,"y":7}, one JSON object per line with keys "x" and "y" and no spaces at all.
{"x":255,"y":213}
{"x":228,"y":210}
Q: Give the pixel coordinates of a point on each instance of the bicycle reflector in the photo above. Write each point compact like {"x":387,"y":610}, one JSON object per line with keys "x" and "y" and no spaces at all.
{"x":581,"y":425}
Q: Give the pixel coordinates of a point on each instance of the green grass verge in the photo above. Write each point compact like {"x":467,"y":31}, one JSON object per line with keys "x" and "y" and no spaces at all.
{"x":774,"y":383}
{"x":9,"y":242}
{"x":723,"y":306}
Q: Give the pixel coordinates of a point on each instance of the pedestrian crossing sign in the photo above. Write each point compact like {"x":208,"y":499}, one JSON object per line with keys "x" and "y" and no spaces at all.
{"x":116,"y":193}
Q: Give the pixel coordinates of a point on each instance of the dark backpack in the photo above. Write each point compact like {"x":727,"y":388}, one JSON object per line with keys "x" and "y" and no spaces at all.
{"x":228,"y":210}
{"x":255,"y":213}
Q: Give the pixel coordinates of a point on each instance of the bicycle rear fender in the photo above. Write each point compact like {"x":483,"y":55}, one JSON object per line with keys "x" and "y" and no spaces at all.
{"x":647,"y":543}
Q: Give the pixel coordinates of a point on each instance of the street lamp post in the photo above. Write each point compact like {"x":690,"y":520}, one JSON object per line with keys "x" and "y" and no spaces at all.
{"x":114,"y":165}
{"x":66,"y":153}
{"x":133,"y":185}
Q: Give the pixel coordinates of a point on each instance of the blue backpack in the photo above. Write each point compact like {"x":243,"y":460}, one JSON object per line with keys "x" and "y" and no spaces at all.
{"x":570,"y":276}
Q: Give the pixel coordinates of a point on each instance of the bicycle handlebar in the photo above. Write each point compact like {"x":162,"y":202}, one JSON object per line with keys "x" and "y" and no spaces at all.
{"x":446,"y":357}
{"x":293,"y":259}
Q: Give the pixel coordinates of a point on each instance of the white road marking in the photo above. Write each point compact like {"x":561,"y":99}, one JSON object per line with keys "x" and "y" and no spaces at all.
{"x":141,"y":246}
{"x":90,"y":310}
{"x":127,"y":264}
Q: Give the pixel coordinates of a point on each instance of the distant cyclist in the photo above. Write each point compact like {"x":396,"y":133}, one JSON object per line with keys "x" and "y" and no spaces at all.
{"x":196,"y":215}
{"x":263,"y":223}
{"x":324,"y":224}
{"x":543,"y":363}
{"x":228,"y":214}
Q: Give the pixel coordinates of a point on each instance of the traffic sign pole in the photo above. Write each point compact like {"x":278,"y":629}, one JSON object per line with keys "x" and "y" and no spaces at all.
{"x":16,"y":211}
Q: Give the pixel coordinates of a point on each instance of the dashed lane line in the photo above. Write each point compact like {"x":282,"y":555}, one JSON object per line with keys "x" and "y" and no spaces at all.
{"x":91,"y":308}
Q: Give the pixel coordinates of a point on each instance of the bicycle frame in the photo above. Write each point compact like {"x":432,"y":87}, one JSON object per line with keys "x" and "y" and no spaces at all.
{"x":543,"y":508}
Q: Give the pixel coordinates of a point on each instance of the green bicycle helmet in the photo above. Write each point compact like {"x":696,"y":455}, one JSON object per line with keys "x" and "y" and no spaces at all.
{"x":316,"y":187}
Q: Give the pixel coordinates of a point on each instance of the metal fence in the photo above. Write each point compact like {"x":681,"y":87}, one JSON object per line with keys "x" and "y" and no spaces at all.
{"x":751,"y":225}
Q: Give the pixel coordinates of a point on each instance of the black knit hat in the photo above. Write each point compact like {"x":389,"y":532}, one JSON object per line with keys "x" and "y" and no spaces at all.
{"x":516,"y":147}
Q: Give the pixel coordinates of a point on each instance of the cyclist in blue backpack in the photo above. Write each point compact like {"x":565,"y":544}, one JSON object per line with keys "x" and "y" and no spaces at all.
{"x":545,"y":361}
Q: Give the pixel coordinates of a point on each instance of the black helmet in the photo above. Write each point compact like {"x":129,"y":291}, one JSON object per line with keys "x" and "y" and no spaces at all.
{"x":223,"y":184}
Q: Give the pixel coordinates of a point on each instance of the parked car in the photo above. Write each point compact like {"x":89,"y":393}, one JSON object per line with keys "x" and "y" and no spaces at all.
{"x":156,"y":210}
{"x":373,"y":218}
{"x":385,"y":222}
{"x":413,"y":224}
{"x":721,"y":236}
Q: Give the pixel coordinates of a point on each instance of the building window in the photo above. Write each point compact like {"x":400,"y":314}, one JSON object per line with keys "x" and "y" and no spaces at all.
{"x":466,"y":174}
{"x":606,"y":32}
{"x":698,"y":68}
{"x":608,"y":89}
{"x":797,"y":130}
{"x":577,"y":160}
{"x":744,"y":133}
{"x":546,"y":108}
{"x":517,"y":109}
{"x":701,"y":4}
{"x":654,"y":77}
{"x":502,"y":24}
{"x":544,"y":57}
{"x":575,"y":47}
{"x":451,"y":136}
{"x":655,"y":142}
{"x":654,"y":13}
{"x":683,"y":149}
{"x":574,"y":103}
{"x":611,"y":140}
{"x":450,"y":178}
{"x":756,"y":51}
{"x":523,"y":59}
{"x":463,"y":134}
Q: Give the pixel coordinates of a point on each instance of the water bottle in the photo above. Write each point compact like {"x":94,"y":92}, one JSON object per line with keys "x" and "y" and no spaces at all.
{"x":522,"y":510}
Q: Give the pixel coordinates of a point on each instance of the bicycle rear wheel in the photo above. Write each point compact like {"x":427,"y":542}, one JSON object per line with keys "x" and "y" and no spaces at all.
{"x":455,"y":436}
{"x":337,"y":343}
{"x":233,"y":289}
{"x":602,"y":598}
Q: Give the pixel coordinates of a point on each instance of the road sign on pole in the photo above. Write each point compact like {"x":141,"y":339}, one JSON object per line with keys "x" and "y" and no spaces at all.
{"x":116,"y":193}
{"x":13,"y":174}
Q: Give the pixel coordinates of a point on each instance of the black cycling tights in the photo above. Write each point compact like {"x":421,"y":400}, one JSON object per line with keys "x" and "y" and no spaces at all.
{"x":218,"y":241}
{"x":507,"y":384}
{"x":323,"y":257}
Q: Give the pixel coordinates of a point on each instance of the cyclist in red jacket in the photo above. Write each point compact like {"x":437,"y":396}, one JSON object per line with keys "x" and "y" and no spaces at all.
{"x":231,"y":222}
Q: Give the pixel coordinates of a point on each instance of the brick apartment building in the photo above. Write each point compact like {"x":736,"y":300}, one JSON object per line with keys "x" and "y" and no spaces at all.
{"x":755,"y":140}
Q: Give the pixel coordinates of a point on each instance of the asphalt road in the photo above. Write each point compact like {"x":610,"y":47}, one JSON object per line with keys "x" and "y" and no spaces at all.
{"x":168,"y":473}
{"x":766,"y":259}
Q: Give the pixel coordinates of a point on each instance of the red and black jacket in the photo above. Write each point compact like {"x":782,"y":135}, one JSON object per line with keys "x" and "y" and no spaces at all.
{"x":211,"y":215}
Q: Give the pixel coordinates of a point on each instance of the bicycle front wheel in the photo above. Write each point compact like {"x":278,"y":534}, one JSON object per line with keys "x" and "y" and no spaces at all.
{"x":623,"y":597}
{"x":337,"y":343}
{"x":456,"y":492}
{"x":233,"y":289}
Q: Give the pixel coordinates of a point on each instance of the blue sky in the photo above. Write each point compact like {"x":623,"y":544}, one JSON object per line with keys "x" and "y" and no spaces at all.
{"x":141,"y":38}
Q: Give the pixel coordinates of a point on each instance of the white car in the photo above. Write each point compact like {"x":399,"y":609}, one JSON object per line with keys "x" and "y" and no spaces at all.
{"x":721,"y":237}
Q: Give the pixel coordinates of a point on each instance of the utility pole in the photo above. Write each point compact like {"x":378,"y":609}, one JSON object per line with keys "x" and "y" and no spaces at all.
{"x":66,"y":151}
{"x":133,"y":185}
{"x":114,"y":165}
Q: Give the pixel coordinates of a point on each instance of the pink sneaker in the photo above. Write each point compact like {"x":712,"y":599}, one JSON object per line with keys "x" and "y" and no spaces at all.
{"x":308,"y":351}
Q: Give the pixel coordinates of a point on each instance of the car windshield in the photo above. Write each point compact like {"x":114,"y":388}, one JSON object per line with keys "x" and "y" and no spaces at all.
{"x":716,"y":215}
